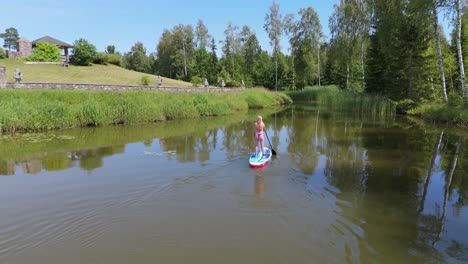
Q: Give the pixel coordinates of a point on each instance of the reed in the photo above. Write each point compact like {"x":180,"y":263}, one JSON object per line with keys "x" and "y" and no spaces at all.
{"x":34,"y":110}
{"x":334,"y":99}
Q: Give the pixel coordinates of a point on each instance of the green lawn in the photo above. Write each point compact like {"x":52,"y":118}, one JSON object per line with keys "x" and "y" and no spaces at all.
{"x":99,"y":74}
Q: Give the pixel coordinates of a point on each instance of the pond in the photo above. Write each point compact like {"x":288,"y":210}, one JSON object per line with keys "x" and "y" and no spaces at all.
{"x":342,"y":188}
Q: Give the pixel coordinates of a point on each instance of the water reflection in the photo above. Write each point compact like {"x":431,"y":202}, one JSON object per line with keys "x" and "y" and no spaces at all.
{"x":397,"y":189}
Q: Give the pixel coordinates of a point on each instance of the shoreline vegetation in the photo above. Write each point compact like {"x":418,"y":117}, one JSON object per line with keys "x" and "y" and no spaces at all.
{"x":332,"y":98}
{"x":39,"y":110}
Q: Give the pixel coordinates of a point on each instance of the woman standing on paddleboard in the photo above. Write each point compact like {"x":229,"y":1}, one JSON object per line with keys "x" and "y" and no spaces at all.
{"x":259,"y":128}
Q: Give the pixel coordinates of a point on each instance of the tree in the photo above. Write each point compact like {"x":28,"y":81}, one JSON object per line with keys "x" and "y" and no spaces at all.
{"x":136,"y":58}
{"x":183,"y":37}
{"x":231,"y":46}
{"x":401,"y":60}
{"x":214,"y":61}
{"x":165,"y":52}
{"x":202,"y":63}
{"x":83,"y":52}
{"x":274,"y":26}
{"x":2,"y":54}
{"x":10,"y":38}
{"x":202,"y":36}
{"x":439,"y":49}
{"x":458,"y":21}
{"x":349,"y":26}
{"x":110,"y":49}
{"x":307,"y":43}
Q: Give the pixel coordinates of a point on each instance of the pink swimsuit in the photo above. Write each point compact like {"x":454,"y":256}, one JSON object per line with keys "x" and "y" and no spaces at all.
{"x":259,"y":133}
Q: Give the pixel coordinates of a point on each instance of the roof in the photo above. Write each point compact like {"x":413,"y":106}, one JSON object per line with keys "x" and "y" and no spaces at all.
{"x":53,"y":41}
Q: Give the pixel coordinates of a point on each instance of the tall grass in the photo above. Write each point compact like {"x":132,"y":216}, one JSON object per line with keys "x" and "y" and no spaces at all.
{"x":332,"y":98}
{"x":33,"y":110}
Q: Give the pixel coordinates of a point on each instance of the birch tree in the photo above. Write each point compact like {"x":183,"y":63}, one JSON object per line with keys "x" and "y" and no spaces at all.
{"x":274,"y":26}
{"x":439,"y":50}
{"x":459,"y":7}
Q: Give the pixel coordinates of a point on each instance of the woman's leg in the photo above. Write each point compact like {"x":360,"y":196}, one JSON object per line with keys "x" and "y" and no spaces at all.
{"x":262,"y":140}
{"x":256,"y":145}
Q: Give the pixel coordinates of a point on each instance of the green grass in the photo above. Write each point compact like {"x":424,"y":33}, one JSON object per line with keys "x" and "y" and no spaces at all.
{"x":35,"y":110}
{"x":97,"y":74}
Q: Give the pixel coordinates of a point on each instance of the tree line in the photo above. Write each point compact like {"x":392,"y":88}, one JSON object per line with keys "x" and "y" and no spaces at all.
{"x":396,"y":48}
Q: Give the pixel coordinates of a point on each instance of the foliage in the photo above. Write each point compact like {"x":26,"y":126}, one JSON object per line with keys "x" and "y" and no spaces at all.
{"x":442,"y":113}
{"x":2,"y":54}
{"x":332,"y":98}
{"x":115,"y":59}
{"x":233,"y":83}
{"x":455,"y":100}
{"x":10,"y":38}
{"x":22,"y":110}
{"x":136,"y":59}
{"x":145,"y":80}
{"x":110,"y":49}
{"x":83,"y":52}
{"x":196,"y":81}
{"x":405,"y":105}
{"x":100,"y":58}
{"x":45,"y":52}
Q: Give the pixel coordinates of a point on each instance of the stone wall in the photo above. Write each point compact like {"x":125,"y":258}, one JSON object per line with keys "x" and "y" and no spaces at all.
{"x":3,"y":79}
{"x":24,"y":48}
{"x":108,"y":87}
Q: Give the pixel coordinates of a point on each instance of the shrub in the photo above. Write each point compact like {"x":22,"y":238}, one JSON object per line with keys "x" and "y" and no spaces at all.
{"x":145,"y":80}
{"x":100,"y":58}
{"x":405,"y":105}
{"x":45,"y":52}
{"x":196,"y":81}
{"x":233,"y":83}
{"x":455,"y":100}
{"x":2,"y":54}
{"x":115,"y":59}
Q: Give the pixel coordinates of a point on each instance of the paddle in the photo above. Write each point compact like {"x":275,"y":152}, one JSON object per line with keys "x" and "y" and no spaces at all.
{"x":272,"y":150}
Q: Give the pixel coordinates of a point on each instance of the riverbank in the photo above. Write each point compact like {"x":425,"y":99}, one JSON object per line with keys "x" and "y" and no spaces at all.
{"x":442,"y":113}
{"x":332,"y":98}
{"x":36,"y":110}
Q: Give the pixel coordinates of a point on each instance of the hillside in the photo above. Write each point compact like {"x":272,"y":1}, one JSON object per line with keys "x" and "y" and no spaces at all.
{"x":99,"y":74}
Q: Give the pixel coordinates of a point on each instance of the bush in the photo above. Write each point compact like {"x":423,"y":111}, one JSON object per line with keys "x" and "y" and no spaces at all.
{"x":83,"y":52}
{"x":45,"y":52}
{"x":100,"y":58}
{"x":455,"y":100}
{"x":196,"y":81}
{"x":2,"y":54}
{"x":233,"y":83}
{"x":115,"y":59}
{"x":145,"y":80}
{"x":405,"y":105}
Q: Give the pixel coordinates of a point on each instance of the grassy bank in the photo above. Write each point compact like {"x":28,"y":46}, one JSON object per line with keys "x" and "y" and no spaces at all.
{"x":34,"y":110}
{"x":455,"y":115}
{"x":97,"y":74}
{"x":334,"y":99}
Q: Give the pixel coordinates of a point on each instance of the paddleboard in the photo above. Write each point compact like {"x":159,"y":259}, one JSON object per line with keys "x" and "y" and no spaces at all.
{"x":256,"y":160}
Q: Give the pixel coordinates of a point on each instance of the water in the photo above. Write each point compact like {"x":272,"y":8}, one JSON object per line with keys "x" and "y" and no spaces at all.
{"x":342,"y":189}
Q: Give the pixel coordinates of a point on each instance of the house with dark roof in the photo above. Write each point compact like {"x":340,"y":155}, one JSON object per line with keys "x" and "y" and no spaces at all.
{"x":25,"y":47}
